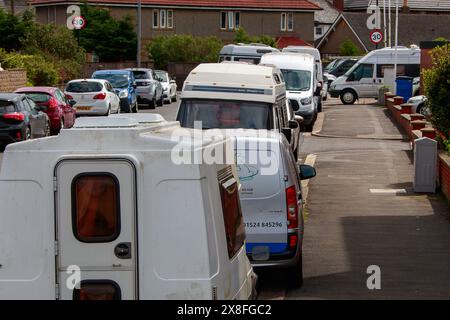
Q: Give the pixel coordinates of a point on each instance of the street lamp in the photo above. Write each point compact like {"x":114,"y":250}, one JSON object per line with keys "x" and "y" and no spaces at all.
{"x":139,"y":23}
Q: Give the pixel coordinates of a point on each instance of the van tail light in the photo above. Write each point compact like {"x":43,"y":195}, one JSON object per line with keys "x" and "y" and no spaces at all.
{"x":100,"y":96}
{"x":292,"y":207}
{"x":293,"y":239}
{"x":14,"y":116}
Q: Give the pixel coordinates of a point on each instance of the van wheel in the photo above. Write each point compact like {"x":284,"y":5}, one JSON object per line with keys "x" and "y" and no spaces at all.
{"x":348,"y":96}
{"x":294,"y":275}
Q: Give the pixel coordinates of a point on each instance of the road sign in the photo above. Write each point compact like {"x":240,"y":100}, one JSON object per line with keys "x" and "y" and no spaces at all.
{"x":376,"y":36}
{"x":78,"y":22}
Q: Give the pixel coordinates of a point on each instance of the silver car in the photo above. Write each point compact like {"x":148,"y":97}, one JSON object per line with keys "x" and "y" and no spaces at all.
{"x":149,"y":90}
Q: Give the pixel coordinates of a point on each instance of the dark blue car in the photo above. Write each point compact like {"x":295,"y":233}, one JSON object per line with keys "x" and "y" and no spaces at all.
{"x":124,"y":85}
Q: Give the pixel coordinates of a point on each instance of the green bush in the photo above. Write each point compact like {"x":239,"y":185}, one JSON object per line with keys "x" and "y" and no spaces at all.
{"x":348,"y":48}
{"x":241,"y":36}
{"x":40,"y":72}
{"x":437,"y":88}
{"x":183,"y":48}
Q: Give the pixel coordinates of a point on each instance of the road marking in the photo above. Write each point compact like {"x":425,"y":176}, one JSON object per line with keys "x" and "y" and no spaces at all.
{"x":388,"y":191}
{"x":310,"y":160}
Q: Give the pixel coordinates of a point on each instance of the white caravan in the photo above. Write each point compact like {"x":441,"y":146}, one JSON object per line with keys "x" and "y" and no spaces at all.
{"x":107,"y":199}
{"x":366,"y":77}
{"x":245,"y":52}
{"x":302,"y":90}
{"x":232,"y":95}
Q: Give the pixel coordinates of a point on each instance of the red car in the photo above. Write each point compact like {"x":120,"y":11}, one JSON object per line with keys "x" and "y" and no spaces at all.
{"x":55,"y":104}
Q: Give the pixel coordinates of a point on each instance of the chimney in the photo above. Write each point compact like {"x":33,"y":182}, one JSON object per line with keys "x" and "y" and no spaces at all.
{"x":339,"y":4}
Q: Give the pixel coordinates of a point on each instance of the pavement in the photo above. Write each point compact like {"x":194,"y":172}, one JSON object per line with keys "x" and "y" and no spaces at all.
{"x":362,"y":211}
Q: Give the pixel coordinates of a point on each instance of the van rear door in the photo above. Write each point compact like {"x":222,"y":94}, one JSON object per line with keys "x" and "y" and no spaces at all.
{"x":263,"y":200}
{"x":96,"y":229}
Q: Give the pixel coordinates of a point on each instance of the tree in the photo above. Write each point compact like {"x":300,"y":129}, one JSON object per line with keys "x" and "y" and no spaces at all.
{"x":348,"y":48}
{"x":110,"y":39}
{"x":12,"y":29}
{"x":437,"y":87}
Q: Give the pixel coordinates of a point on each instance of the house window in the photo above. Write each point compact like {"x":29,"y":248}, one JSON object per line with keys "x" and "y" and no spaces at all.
{"x":319,"y":31}
{"x":230,"y":20}
{"x":169,"y":19}
{"x":290,"y":23}
{"x":155,"y":19}
{"x":162,"y":18}
{"x":95,"y":207}
{"x":283,"y":21}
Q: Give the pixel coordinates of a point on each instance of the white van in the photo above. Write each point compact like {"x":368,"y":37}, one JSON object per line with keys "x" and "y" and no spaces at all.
{"x":301,"y":85}
{"x":318,"y":71}
{"x":106,"y":198}
{"x":231,"y":95}
{"x":272,"y":202}
{"x":365,"y":78}
{"x":245,"y":52}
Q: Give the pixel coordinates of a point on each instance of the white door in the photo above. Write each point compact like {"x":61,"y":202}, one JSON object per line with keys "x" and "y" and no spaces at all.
{"x":96,"y":229}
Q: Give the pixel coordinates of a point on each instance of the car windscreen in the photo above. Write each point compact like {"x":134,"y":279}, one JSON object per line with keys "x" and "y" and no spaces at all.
{"x":118,"y":80}
{"x":38,"y":97}
{"x":141,"y":75}
{"x":162,"y":75}
{"x":6,"y":106}
{"x":224,"y":114}
{"x":297,"y":80}
{"x":84,"y":86}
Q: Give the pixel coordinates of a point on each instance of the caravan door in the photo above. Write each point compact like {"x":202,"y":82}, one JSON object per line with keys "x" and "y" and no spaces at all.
{"x":96,"y":229}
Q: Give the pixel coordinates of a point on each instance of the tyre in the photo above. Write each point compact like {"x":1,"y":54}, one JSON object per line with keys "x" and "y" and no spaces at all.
{"x":161,"y":101}
{"x":294,"y":275}
{"x":27,"y":135}
{"x":319,"y":106}
{"x":135,"y":108}
{"x":152,"y":104}
{"x":419,"y":108}
{"x":348,"y":96}
{"x":174,"y":98}
{"x":108,"y":112}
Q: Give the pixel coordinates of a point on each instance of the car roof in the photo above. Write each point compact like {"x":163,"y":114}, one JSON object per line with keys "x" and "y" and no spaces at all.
{"x":88,"y":80}
{"x":138,"y":69}
{"x":11,"y":96}
{"x":36,"y":89}
{"x":161,"y":71}
{"x":286,"y":60}
{"x":112,"y":72}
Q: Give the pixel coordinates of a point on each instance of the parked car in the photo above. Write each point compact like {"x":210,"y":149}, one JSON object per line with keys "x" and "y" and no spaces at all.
{"x":124,"y":86}
{"x":93,"y":97}
{"x":272,"y":202}
{"x":250,"y":53}
{"x":366,"y":77}
{"x":419,"y":105}
{"x":55,"y":104}
{"x":302,"y":88}
{"x":169,"y":86}
{"x":21,"y":119}
{"x":149,"y":89}
{"x":116,"y":182}
{"x":232,"y":95}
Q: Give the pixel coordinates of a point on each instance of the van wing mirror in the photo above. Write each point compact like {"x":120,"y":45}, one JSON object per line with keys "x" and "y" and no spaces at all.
{"x":298,"y":118}
{"x":293,"y":124}
{"x":287,"y":133}
{"x":306,"y":171}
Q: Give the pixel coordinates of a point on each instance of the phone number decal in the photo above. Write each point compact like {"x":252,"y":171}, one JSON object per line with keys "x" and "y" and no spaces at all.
{"x":264,"y":224}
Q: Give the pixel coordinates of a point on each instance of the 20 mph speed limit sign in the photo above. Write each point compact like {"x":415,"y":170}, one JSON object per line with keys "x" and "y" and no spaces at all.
{"x":376,"y":36}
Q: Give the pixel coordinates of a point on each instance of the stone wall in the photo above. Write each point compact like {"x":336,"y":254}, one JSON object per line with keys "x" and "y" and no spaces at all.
{"x":12,"y":79}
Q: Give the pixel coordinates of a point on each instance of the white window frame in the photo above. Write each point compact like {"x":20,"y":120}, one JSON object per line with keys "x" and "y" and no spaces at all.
{"x":155,"y":21}
{"x":290,"y":18}
{"x":162,"y":18}
{"x":283,"y":20}
{"x":230,"y":16}
{"x":170,"y":25}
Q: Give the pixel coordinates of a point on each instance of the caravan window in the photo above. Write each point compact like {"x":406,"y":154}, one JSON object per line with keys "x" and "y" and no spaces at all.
{"x":95,"y":207}
{"x":231,"y":208}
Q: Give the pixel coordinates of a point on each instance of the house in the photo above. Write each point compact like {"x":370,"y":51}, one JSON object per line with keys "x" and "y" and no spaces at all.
{"x":324,"y":19}
{"x":14,"y":6}
{"x":415,"y":6}
{"x":284,"y":18}
{"x":433,"y":17}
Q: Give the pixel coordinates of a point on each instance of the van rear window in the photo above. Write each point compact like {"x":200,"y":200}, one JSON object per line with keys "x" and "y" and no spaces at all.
{"x":95,"y":207}
{"x":225,"y":114}
{"x":97,"y":290}
{"x":231,"y":208}
{"x":84,"y":86}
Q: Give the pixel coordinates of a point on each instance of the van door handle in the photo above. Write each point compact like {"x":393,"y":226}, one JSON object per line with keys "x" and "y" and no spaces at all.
{"x":123,"y":250}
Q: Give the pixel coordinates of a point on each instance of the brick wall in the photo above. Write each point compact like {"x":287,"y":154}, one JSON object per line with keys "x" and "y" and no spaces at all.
{"x":12,"y":79}
{"x":444,"y":174}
